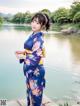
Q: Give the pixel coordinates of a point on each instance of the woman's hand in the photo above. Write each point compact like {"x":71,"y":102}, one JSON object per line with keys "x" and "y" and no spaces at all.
{"x":20,"y":55}
{"x":20,"y":52}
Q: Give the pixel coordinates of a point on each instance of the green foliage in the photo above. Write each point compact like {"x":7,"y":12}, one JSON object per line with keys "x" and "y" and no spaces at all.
{"x":76,"y":17}
{"x":60,"y":15}
{"x":62,"y":20}
{"x":46,"y":11}
{"x":52,"y":17}
{"x":1,"y":20}
{"x":22,"y":18}
{"x":27,"y":17}
{"x":55,"y":27}
{"x":75,"y":7}
{"x":18,"y":18}
{"x":63,"y":15}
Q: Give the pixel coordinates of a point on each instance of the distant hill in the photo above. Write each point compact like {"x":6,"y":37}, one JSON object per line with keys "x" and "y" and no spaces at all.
{"x":6,"y":15}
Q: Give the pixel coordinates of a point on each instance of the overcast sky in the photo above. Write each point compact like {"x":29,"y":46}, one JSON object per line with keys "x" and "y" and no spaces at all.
{"x":14,"y":6}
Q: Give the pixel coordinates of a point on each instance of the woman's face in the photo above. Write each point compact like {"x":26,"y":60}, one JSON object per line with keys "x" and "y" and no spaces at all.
{"x":36,"y":26}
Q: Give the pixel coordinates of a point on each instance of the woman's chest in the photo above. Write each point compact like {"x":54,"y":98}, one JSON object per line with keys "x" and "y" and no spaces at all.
{"x":28,"y":43}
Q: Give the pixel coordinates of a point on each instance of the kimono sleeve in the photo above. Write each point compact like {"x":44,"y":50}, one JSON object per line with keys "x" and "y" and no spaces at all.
{"x":34,"y":58}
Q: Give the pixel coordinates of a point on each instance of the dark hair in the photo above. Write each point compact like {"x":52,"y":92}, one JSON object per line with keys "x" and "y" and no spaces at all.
{"x":43,"y":19}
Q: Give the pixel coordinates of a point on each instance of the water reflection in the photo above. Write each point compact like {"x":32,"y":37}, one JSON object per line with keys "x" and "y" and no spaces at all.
{"x":15,"y":27}
{"x":74,"y":43}
{"x":75,"y":47}
{"x":62,"y":56}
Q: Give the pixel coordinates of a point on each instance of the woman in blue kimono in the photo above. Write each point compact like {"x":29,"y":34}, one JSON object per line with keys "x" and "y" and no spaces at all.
{"x":33,"y":57}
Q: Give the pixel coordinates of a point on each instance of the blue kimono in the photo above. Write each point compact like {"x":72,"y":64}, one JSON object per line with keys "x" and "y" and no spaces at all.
{"x":33,"y":69}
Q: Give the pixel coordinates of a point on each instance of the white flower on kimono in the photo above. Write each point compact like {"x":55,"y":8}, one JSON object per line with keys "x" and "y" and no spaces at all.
{"x":39,"y":52}
{"x":36,"y":72}
{"x":27,"y":61}
{"x":29,"y":71}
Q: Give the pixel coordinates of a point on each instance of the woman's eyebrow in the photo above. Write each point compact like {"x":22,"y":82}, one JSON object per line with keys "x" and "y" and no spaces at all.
{"x":35,"y":20}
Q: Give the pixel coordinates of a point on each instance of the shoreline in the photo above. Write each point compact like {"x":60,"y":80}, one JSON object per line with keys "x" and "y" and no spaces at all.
{"x":65,"y":31}
{"x":22,"y":102}
{"x":45,"y":102}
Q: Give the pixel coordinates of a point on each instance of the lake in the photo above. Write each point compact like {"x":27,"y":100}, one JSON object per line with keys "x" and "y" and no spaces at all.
{"x":62,"y":64}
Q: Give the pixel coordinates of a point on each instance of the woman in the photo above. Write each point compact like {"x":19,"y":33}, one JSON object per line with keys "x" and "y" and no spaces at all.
{"x":33,"y":57}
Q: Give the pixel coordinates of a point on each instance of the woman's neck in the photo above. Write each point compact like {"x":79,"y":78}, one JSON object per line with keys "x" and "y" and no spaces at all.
{"x":37,"y":32}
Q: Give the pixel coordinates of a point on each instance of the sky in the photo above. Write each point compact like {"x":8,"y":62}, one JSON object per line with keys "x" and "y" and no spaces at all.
{"x":14,"y":6}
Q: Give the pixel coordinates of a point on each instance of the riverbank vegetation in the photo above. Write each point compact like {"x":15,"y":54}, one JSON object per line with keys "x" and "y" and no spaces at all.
{"x":1,"y":20}
{"x":62,"y":18}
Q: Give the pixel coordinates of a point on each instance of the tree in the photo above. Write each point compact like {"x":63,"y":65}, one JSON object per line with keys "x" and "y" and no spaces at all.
{"x":75,"y":7}
{"x":61,"y":15}
{"x":18,"y":18}
{"x":52,"y":17}
{"x":27,"y":17}
{"x":76,"y":17}
{"x":46,"y":11}
{"x":22,"y":18}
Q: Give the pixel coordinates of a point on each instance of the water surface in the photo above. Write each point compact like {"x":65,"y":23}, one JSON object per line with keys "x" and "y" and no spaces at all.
{"x":62,"y":64}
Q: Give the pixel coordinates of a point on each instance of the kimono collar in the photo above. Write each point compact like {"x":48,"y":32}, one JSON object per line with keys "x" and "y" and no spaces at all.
{"x":38,"y":34}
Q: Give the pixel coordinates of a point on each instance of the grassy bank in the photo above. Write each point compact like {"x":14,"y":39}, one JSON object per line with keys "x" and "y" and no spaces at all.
{"x":59,"y":27}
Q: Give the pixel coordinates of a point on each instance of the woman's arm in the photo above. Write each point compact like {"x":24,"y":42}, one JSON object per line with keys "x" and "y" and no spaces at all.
{"x":21,"y":55}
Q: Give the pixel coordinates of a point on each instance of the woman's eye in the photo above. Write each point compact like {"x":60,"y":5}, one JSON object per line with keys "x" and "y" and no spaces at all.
{"x":37,"y":23}
{"x":33,"y":21}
